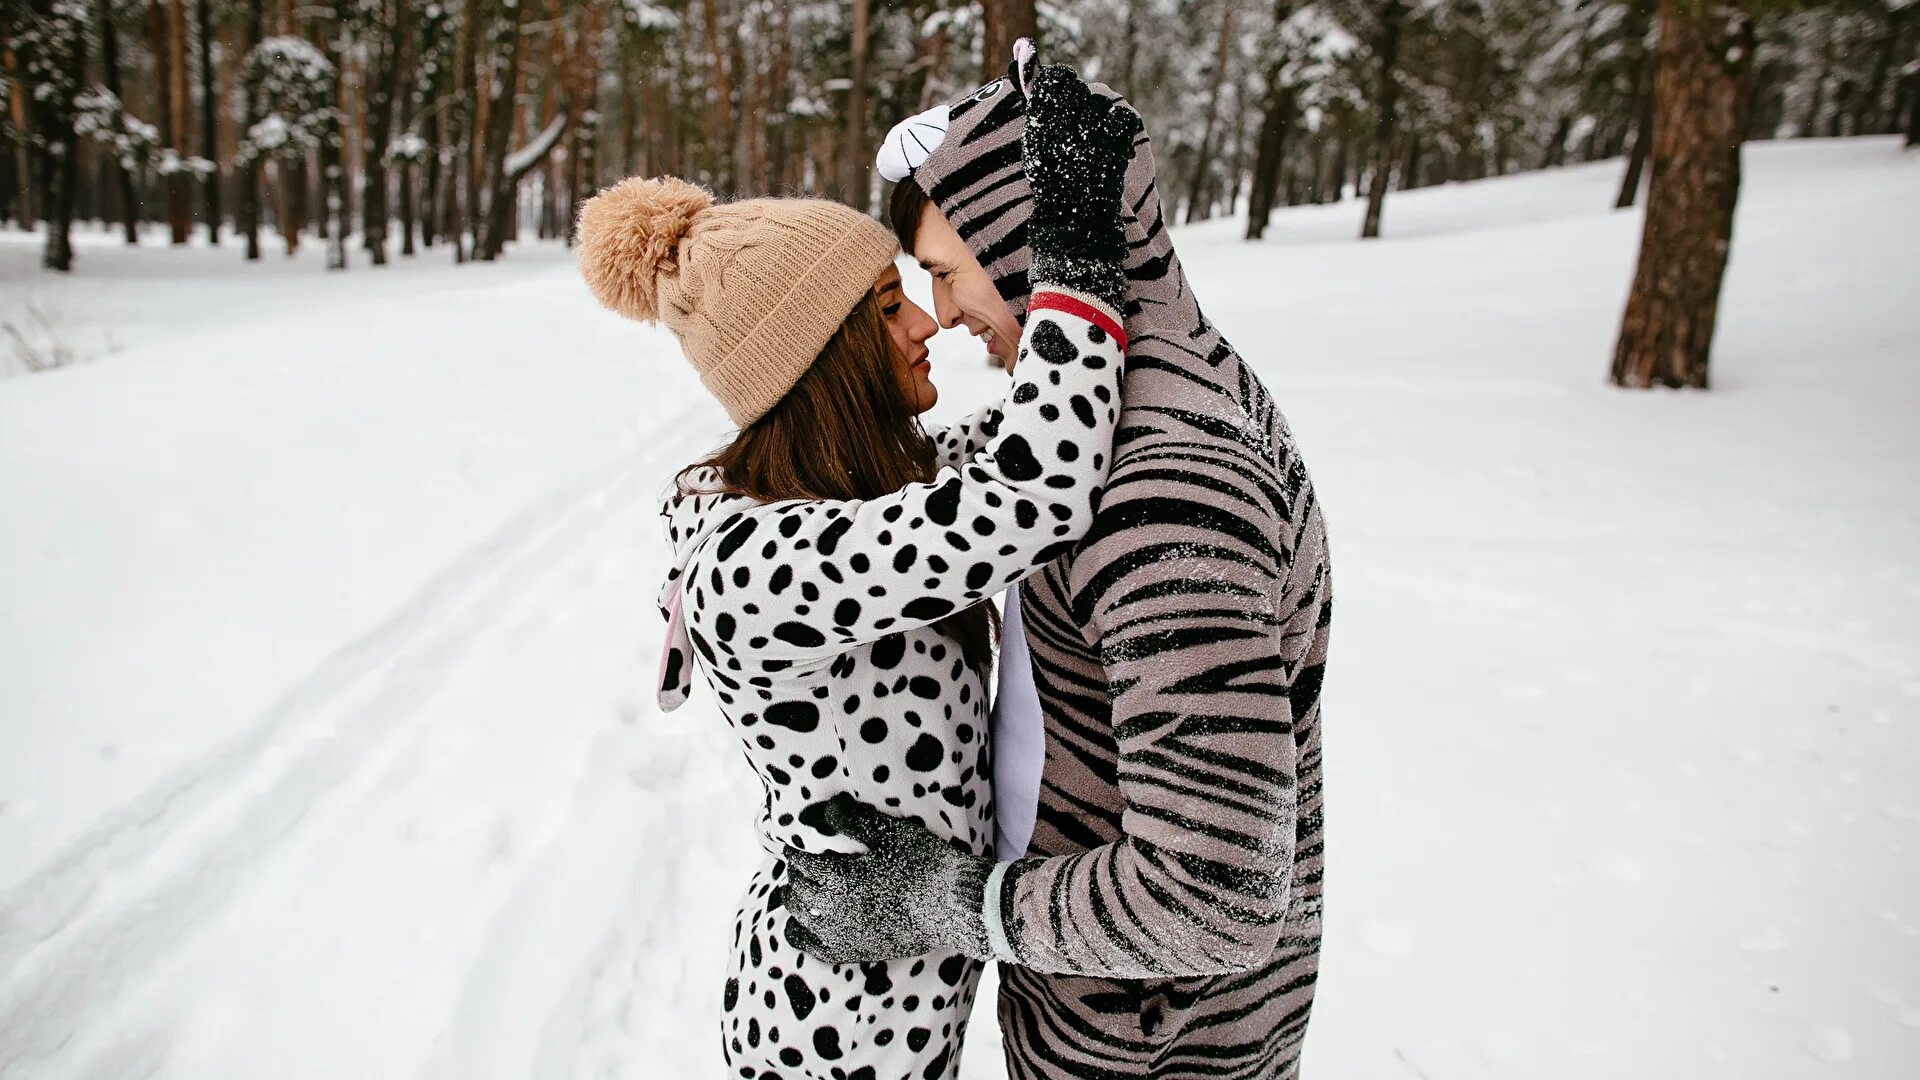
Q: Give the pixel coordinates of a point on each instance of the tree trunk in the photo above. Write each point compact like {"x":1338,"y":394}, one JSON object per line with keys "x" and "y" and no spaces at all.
{"x":406,"y":82}
{"x":431,"y":185}
{"x":291,"y":186}
{"x":166,"y":37}
{"x":249,"y":174}
{"x":1198,"y":203}
{"x":179,"y":185}
{"x":780,"y":133}
{"x":1005,"y":22}
{"x":722,"y":86}
{"x":854,"y":187}
{"x":1342,"y":147}
{"x":753,"y":142}
{"x":744,"y":132}
{"x":209,"y":141}
{"x":471,"y":150}
{"x":495,"y":216}
{"x":382,"y":83}
{"x":1556,"y":154}
{"x":110,"y":68}
{"x":22,"y":141}
{"x":1913,"y":106}
{"x":1866,"y":117}
{"x":1842,"y":99}
{"x":1274,"y":119}
{"x":1637,"y":157}
{"x":504,"y":170}
{"x":1237,"y":156}
{"x":1464,"y":161}
{"x":60,"y":155}
{"x":1387,"y":88}
{"x":1701,"y":68}
{"x":1130,"y":47}
{"x":407,"y":217}
{"x":585,"y":175}
{"x":1809,"y":124}
{"x":333,"y":167}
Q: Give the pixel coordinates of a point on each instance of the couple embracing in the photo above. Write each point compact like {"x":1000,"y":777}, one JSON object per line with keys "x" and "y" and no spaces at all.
{"x":1131,"y":822}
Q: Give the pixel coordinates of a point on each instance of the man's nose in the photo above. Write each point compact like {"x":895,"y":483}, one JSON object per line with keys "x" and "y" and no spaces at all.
{"x":944,"y":308}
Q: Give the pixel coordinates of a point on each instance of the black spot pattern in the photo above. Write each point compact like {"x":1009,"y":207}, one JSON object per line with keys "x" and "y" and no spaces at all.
{"x":1017,"y":460}
{"x":1052,"y":344}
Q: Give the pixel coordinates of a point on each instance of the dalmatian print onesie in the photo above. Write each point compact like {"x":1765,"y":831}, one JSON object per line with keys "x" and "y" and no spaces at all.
{"x":812,"y":622}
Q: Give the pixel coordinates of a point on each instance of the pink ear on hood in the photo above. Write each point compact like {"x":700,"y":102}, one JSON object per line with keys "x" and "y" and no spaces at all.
{"x":1025,"y":65}
{"x":675,"y":679}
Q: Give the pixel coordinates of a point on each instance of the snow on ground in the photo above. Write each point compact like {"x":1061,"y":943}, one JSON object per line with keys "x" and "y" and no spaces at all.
{"x":328,"y":746}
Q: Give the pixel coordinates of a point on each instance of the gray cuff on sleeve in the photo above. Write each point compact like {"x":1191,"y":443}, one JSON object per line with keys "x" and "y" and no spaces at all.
{"x":990,"y":914}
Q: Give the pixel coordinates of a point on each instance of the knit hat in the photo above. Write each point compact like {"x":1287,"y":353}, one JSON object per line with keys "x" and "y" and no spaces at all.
{"x":753,"y":289}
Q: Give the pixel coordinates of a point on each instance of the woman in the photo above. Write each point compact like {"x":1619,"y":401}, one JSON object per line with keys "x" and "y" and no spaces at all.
{"x":833,"y":560}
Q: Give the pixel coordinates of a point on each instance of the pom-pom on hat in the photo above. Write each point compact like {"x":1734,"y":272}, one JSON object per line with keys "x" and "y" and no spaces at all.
{"x":753,"y":289}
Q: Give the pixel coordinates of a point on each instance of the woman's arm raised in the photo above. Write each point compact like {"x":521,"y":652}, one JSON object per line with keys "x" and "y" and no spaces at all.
{"x":801,"y":581}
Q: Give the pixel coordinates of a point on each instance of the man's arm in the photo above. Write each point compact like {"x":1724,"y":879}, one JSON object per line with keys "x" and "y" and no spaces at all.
{"x":1211,"y":677}
{"x":1206,"y":632}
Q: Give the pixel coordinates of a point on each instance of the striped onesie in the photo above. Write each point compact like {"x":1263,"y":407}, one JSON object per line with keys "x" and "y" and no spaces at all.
{"x":1166,"y":921}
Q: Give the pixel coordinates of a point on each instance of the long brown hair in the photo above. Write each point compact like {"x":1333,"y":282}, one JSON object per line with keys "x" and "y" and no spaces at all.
{"x":847,"y":430}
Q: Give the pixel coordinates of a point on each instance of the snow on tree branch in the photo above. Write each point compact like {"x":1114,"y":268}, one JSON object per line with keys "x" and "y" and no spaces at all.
{"x":519,"y":161}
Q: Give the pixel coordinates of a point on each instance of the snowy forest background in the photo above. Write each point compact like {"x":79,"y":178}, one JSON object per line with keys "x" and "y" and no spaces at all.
{"x":413,"y":126}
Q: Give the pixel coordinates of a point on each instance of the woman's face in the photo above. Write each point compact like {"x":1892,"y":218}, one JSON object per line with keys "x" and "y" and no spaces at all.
{"x":963,"y":294}
{"x":910,"y":327}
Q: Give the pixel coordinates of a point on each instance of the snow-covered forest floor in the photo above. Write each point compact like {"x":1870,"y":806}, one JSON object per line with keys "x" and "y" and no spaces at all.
{"x":327,"y":746}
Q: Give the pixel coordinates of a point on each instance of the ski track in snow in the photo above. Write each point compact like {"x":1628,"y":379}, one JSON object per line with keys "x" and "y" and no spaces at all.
{"x":154,"y":870}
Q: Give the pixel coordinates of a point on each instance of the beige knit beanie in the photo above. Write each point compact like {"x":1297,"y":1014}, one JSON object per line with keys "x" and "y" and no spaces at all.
{"x":753,"y":289}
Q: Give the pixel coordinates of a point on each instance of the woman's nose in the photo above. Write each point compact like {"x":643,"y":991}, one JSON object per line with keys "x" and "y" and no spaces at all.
{"x":923,"y":326}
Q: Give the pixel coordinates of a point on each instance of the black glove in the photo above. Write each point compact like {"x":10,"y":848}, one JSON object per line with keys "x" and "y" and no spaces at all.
{"x":1076,"y":149}
{"x":911,"y":893}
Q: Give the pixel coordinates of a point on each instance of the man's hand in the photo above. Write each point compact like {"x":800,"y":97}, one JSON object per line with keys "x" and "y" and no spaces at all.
{"x":911,"y":893}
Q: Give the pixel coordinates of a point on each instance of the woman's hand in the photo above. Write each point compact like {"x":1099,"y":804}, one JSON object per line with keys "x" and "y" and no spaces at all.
{"x":1076,"y":149}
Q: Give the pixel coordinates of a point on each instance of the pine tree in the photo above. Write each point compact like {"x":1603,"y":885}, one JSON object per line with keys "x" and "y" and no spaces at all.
{"x":293,"y":115}
{"x":51,"y":47}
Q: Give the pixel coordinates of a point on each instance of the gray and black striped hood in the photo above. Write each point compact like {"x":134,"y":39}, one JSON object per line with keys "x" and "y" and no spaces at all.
{"x":968,"y":163}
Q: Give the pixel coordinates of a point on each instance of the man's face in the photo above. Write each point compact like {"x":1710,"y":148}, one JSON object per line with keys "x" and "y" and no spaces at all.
{"x":963,"y":294}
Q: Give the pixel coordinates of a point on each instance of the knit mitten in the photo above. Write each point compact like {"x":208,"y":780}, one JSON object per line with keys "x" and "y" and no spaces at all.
{"x":911,"y":893}
{"x":1076,"y":149}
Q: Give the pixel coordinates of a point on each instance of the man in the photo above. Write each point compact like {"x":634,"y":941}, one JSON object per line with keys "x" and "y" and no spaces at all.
{"x":1163,"y":919}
